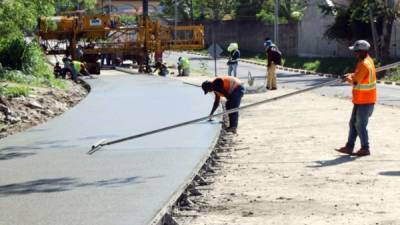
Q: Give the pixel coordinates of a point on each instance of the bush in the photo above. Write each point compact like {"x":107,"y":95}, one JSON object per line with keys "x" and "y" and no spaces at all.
{"x":14,"y":91}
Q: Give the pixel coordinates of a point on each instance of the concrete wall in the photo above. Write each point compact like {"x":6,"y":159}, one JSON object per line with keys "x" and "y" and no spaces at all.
{"x":311,"y":40}
{"x":250,"y":35}
{"x":395,"y":40}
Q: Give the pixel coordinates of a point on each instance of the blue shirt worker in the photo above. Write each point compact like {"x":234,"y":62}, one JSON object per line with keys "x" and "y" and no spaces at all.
{"x":274,"y":58}
{"x":233,"y":90}
{"x":233,"y":61}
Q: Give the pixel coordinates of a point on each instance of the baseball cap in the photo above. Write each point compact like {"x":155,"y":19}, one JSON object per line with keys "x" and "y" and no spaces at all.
{"x":360,"y":45}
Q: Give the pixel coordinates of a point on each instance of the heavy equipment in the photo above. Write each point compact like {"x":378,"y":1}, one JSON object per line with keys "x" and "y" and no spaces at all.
{"x":90,"y":38}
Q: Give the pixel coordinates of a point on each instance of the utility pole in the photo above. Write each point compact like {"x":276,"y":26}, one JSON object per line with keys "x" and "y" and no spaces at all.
{"x":373,"y":28}
{"x":276,"y":22}
{"x":176,"y":18}
{"x":216,"y":11}
{"x":191,"y":11}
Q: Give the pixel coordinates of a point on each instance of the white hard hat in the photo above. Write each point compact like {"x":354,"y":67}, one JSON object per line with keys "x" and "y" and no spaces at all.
{"x":360,"y":45}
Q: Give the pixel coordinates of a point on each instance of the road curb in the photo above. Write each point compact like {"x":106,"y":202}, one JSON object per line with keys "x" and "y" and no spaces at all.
{"x":305,"y":72}
{"x":164,"y":214}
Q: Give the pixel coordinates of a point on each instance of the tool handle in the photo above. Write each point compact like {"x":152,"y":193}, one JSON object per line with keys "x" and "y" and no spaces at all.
{"x":220,"y":114}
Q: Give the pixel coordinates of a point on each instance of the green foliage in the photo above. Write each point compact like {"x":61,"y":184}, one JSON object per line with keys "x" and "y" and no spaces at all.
{"x":289,"y":10}
{"x":127,"y":19}
{"x":350,"y":23}
{"x":334,"y":65}
{"x":14,"y":91}
{"x":393,"y":75}
{"x":72,"y":5}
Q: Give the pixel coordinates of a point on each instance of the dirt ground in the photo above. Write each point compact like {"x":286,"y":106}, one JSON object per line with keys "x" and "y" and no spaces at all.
{"x":281,"y":167}
{"x":20,"y":113}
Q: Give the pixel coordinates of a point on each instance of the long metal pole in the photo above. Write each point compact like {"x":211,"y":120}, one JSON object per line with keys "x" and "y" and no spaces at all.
{"x":276,"y":22}
{"x":103,"y":142}
{"x":176,"y":18}
{"x":109,"y":7}
{"x":374,"y":33}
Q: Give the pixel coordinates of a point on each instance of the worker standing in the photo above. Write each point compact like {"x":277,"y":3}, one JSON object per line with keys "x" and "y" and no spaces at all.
{"x":232,"y":89}
{"x":233,"y":61}
{"x":183,"y":66}
{"x":363,"y":81}
{"x":274,"y":58}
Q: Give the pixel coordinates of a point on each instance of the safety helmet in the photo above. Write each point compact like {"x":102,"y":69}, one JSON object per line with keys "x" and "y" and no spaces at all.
{"x":233,"y":47}
{"x":360,"y":45}
{"x":206,"y":86}
{"x":268,"y":43}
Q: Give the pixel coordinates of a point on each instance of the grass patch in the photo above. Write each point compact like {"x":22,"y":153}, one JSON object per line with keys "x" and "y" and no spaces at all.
{"x":19,"y":77}
{"x":393,"y":75}
{"x":14,"y":91}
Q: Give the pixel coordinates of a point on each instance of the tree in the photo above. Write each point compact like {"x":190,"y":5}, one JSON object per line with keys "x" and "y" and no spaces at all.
{"x":290,"y":11}
{"x":18,"y":18}
{"x":354,"y":22}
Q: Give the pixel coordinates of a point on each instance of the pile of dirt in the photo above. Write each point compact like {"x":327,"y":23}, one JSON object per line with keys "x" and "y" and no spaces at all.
{"x":20,"y":113}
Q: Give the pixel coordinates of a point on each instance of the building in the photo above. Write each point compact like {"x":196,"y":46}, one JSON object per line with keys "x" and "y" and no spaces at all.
{"x":131,"y":7}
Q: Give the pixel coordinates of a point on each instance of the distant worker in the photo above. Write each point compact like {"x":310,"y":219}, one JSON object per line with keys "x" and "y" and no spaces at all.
{"x":68,"y":67}
{"x":234,"y":55}
{"x":80,"y":68}
{"x":161,"y":68}
{"x":363,"y":81}
{"x":274,"y":58}
{"x":57,"y":70}
{"x":233,"y":90}
{"x":183,"y":66}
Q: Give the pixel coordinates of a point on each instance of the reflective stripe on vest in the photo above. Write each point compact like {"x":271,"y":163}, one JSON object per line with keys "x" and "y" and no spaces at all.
{"x":371,"y":81}
{"x":364,"y":92}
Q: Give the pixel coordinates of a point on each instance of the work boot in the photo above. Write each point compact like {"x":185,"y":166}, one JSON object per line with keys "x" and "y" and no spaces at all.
{"x":345,"y":150}
{"x":362,"y":152}
{"x":231,"y":129}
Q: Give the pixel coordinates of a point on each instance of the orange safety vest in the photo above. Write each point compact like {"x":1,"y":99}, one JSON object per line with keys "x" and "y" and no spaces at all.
{"x":364,"y":88}
{"x":230,"y":84}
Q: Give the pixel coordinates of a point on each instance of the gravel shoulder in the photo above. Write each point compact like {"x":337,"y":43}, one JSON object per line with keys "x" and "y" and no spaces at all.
{"x":281,"y":167}
{"x":20,"y":113}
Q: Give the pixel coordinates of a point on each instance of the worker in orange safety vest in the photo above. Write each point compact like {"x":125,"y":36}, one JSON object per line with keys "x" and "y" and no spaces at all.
{"x":363,"y":81}
{"x":232,"y":89}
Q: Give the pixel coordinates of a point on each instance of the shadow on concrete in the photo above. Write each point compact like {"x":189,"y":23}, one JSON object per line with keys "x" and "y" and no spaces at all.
{"x":390,"y":173}
{"x":334,"y":162}
{"x":13,"y":155}
{"x":64,"y":184}
{"x":19,"y":147}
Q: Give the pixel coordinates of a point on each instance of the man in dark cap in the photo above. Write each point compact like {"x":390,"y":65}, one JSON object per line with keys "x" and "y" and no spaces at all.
{"x":232,"y":89}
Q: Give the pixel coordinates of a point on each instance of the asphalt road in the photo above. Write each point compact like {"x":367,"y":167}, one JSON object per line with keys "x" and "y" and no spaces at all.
{"x":46,"y":177}
{"x":387,"y":94}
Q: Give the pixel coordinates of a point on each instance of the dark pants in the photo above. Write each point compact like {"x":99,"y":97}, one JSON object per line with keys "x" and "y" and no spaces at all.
{"x":234,"y":102}
{"x":358,"y":125}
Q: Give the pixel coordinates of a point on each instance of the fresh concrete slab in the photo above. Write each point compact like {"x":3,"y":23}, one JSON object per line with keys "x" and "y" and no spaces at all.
{"x":50,"y":180}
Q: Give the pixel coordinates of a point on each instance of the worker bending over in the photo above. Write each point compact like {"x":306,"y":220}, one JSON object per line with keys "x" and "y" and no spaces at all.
{"x":363,"y":81}
{"x":232,"y":89}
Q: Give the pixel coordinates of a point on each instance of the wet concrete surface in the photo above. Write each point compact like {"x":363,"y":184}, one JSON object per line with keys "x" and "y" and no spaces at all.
{"x":48,"y":179}
{"x":387,"y":94}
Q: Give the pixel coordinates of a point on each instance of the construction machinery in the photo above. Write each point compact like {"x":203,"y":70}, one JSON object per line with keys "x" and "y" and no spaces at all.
{"x":91,"y":38}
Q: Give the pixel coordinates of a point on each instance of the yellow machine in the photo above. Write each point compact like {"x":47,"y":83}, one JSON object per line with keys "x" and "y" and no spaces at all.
{"x":91,"y":37}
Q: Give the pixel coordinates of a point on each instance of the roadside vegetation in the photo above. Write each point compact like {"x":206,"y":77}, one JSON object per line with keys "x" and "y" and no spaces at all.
{"x":22,"y":61}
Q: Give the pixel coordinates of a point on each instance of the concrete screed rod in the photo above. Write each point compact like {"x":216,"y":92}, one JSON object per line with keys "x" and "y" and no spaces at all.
{"x":103,"y":142}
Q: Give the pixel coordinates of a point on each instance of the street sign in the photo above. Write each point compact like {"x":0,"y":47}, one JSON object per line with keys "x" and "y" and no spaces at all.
{"x":215,"y":50}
